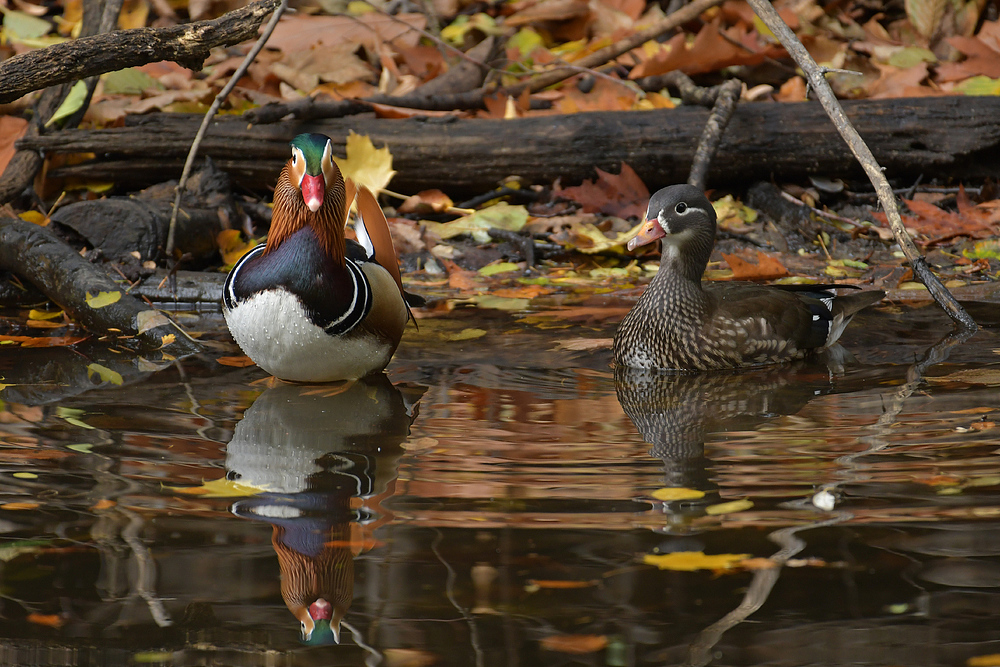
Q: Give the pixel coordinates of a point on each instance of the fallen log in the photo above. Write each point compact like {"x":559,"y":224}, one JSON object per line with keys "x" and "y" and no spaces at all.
{"x":948,"y":137}
{"x":38,"y":255}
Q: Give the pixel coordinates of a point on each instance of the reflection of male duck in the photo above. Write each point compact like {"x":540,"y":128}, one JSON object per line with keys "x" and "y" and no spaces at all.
{"x":314,"y":450}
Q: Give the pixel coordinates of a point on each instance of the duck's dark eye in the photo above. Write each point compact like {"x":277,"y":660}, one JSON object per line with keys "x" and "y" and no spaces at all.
{"x":680,"y":208}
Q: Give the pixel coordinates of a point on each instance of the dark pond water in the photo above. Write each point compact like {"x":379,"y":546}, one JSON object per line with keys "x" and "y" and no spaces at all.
{"x":501,"y":500}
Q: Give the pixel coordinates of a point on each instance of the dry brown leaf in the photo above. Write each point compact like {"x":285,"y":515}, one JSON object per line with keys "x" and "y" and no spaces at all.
{"x":982,"y":55}
{"x":45,"y":341}
{"x":11,"y":129}
{"x":765,"y":267}
{"x":623,"y":195}
{"x":242,"y":361}
{"x":301,"y":31}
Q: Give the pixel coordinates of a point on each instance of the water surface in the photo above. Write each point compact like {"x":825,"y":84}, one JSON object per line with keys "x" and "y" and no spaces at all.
{"x":495,"y":500}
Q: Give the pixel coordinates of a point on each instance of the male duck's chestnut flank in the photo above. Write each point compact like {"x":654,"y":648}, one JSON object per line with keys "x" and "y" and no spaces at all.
{"x":311,"y":305}
{"x":680,"y":324}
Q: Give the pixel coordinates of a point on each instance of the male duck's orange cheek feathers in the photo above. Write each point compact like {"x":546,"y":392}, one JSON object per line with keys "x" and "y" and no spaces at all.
{"x":313,"y":188}
{"x":649,"y":232}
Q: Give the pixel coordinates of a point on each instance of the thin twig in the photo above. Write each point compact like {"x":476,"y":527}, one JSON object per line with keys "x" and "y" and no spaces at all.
{"x":219,"y":99}
{"x":860,"y":149}
{"x":711,"y":136}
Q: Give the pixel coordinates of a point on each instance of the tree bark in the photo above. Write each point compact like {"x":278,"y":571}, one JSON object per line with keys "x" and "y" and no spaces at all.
{"x":954,"y":137}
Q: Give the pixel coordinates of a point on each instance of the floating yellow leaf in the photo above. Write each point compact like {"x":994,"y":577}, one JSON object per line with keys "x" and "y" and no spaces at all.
{"x":44,"y":314}
{"x":25,"y":475}
{"x":105,"y":373}
{"x":468,"y":334}
{"x":168,"y":340}
{"x":365,"y":164}
{"x":729,"y":508}
{"x":677,"y":494}
{"x":689,"y":561}
{"x":103,"y":299}
{"x":218,"y":488}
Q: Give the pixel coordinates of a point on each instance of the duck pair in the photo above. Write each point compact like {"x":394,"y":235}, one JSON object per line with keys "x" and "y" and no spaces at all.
{"x":311,"y":305}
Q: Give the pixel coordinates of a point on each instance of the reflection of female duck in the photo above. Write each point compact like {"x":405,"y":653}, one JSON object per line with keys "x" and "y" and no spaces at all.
{"x":313,"y":449}
{"x":675,"y":412}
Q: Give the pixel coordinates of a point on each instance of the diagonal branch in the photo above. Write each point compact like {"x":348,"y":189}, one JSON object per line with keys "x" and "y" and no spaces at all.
{"x":818,"y":82}
{"x":187,"y":44}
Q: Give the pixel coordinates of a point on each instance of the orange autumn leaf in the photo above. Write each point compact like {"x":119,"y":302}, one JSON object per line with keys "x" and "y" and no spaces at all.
{"x":19,"y":506}
{"x":103,"y":504}
{"x":232,"y":246}
{"x":11,"y":129}
{"x":48,"y":620}
{"x":622,"y":195}
{"x":765,"y":268}
{"x":574,"y":644}
{"x":44,"y":341}
{"x":426,"y":201}
{"x":236,"y":362}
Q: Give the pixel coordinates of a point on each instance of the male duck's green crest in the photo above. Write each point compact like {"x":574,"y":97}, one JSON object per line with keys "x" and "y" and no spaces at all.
{"x":312,"y":159}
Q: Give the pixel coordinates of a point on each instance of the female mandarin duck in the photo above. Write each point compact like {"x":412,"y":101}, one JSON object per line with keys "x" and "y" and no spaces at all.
{"x":310,"y":305}
{"x":680,"y":324}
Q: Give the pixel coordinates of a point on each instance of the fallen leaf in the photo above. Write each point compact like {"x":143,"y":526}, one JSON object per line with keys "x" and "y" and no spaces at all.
{"x":408,"y":657}
{"x":501,"y":216}
{"x":11,"y":129}
{"x":989,"y":660}
{"x":575,"y":644}
{"x":150,"y":319}
{"x":71,"y":104}
{"x":426,"y":201}
{"x":19,"y":506}
{"x":218,"y":488}
{"x":729,"y":508}
{"x":236,"y":362}
{"x":48,"y":620}
{"x":689,"y":561}
{"x":105,"y":373}
{"x":468,"y":334}
{"x":103,"y":299}
{"x":765,"y":268}
{"x":623,"y":195}
{"x":34,"y":314}
{"x":43,"y":341}
{"x":365,"y":164}
{"x":677,"y":493}
{"x":499,"y":267}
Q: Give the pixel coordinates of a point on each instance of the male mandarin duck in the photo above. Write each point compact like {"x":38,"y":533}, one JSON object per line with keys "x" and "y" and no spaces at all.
{"x":680,"y":324}
{"x":310,"y":305}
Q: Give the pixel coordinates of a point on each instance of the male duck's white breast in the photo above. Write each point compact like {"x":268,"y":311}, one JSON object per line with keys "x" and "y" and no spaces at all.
{"x":272,"y":328}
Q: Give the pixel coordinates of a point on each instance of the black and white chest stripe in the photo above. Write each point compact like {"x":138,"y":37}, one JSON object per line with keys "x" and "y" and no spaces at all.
{"x":354,"y":292}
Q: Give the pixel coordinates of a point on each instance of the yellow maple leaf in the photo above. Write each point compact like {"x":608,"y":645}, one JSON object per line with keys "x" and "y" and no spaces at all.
{"x":365,"y":164}
{"x":689,"y":561}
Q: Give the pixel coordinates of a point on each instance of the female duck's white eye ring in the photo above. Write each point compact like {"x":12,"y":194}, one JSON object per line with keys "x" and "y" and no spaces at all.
{"x":681,"y":208}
